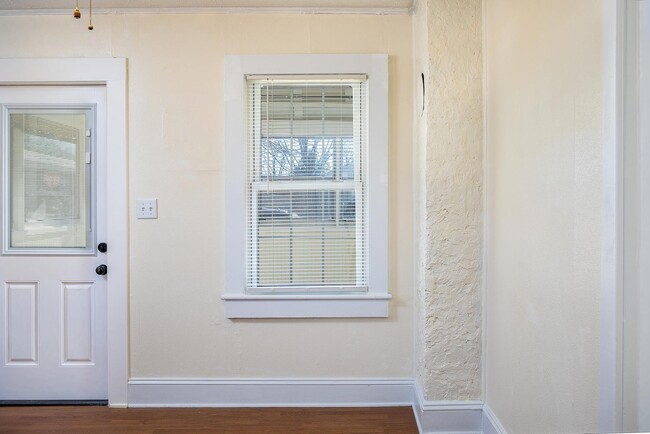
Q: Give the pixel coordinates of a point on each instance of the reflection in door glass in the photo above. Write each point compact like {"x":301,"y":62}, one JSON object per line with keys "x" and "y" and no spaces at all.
{"x":49,"y":179}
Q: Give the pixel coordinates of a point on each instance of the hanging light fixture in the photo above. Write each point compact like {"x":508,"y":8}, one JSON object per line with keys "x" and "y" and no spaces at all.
{"x":77,"y":13}
{"x":90,"y":14}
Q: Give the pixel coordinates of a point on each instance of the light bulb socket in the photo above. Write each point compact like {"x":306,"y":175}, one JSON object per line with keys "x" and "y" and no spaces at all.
{"x":77,"y":13}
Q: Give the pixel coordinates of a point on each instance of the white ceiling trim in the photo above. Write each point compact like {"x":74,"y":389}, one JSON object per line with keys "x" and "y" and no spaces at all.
{"x":215,"y":10}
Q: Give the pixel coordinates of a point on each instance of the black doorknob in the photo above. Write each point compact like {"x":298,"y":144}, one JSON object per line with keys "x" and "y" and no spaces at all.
{"x":101,"y":270}
{"x":101,"y":247}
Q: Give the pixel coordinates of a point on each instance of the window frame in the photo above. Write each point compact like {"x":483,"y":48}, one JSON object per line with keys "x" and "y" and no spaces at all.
{"x":336,"y":184}
{"x":90,"y":112}
{"x":238,"y":302}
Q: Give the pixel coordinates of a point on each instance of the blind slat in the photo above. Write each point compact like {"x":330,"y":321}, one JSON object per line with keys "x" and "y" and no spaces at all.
{"x":306,"y":183}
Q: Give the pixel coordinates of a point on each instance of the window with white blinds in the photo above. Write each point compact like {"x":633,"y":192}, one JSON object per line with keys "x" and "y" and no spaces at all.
{"x":306,"y":147}
{"x":306,"y":186}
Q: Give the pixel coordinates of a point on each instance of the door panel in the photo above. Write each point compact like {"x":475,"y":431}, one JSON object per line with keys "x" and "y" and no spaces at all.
{"x":21,"y":331}
{"x":77,"y":321}
{"x":53,"y":202}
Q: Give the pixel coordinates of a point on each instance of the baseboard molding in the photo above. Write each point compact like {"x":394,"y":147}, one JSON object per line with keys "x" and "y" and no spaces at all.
{"x":459,"y":417}
{"x":491,"y":423}
{"x":54,"y":402}
{"x":446,"y":416}
{"x":269,"y":393}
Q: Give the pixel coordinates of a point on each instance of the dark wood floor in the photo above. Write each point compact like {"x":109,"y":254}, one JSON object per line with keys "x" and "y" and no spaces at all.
{"x":398,"y":420}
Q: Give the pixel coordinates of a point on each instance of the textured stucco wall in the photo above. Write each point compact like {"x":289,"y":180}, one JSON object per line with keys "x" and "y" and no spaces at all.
{"x":544,"y":194}
{"x":449,"y":213}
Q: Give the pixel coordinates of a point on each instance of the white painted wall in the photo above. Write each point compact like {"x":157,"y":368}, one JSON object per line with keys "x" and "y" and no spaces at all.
{"x":544,"y":177}
{"x":449,"y":199}
{"x":177,"y":322}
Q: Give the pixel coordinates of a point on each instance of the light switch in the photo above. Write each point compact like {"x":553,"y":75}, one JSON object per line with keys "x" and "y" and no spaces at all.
{"x":146,"y":208}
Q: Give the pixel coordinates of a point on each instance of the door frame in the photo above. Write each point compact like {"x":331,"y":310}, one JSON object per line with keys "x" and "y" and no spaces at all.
{"x":618,"y":119}
{"x":111,"y":73}
{"x":628,"y":111}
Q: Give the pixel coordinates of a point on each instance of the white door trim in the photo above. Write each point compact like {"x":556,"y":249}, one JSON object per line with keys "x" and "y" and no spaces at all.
{"x":111,"y":73}
{"x":616,"y":122}
{"x":632,"y":158}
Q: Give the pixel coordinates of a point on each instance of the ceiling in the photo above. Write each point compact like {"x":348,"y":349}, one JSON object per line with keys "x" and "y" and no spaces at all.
{"x":62,"y":6}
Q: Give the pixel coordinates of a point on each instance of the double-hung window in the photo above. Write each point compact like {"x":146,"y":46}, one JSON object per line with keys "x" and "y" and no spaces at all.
{"x":306,"y":228}
{"x":306,"y":173}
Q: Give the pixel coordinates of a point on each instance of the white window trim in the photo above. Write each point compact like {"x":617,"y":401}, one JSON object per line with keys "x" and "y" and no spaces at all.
{"x":238,"y":303}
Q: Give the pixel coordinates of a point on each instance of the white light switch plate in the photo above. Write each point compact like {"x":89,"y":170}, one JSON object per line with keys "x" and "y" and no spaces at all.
{"x":146,"y":208}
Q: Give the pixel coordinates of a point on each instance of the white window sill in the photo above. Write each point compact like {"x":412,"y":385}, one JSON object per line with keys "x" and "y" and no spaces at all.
{"x":306,"y":306}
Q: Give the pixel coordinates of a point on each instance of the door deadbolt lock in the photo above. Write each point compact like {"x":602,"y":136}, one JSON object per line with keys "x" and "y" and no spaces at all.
{"x":101,"y":270}
{"x":102,"y":247}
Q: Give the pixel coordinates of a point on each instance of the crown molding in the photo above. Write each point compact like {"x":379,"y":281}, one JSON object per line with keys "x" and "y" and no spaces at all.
{"x":215,"y":10}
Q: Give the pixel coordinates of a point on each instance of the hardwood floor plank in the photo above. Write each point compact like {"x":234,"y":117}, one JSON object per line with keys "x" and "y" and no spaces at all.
{"x":93,"y":420}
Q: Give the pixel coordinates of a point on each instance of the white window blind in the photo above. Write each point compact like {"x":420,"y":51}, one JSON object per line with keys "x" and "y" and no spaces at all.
{"x":306,"y":184}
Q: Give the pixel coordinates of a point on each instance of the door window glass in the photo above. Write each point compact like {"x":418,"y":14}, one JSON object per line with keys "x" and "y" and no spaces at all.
{"x":49,"y":179}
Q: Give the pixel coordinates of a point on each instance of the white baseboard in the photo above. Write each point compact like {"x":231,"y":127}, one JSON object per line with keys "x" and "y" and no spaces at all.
{"x":446,"y":416}
{"x":491,"y":423}
{"x":459,"y":417}
{"x":269,"y":393}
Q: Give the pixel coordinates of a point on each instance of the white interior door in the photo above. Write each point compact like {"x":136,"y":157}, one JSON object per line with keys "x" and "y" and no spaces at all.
{"x":53,"y":302}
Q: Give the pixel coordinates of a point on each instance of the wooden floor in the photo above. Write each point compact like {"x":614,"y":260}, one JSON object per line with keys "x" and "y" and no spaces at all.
{"x":92,"y":420}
